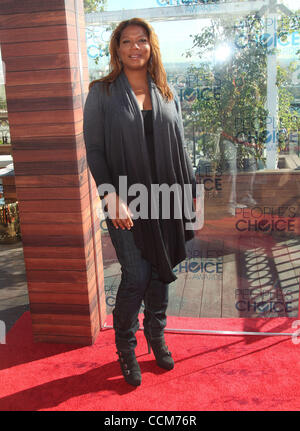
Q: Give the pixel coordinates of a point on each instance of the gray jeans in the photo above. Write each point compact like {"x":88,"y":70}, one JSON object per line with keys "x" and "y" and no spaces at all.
{"x":139,"y":282}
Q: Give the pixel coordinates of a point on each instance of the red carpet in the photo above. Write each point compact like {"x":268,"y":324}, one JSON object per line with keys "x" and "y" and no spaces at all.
{"x":212,"y":372}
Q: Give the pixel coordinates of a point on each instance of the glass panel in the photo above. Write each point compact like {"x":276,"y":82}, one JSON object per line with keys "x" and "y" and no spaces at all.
{"x":5,"y":158}
{"x":4,"y":127}
{"x":235,"y":66}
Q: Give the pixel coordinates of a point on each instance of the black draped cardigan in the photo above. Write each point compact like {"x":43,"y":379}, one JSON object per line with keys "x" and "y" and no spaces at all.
{"x":116,"y":146}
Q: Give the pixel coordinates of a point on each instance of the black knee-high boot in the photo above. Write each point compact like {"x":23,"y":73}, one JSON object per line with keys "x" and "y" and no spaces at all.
{"x":155,"y":320}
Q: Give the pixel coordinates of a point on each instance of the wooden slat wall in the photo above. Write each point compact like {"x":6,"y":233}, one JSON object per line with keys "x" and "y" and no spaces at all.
{"x":9,"y":189}
{"x":62,"y":254}
{"x":5,"y":150}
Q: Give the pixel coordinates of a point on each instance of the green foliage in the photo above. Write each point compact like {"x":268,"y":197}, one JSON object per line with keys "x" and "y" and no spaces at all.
{"x":91,"y":6}
{"x":94,"y":5}
{"x":239,"y":111}
{"x":288,"y":120}
{"x":104,"y":49}
{"x":3,"y":106}
{"x":288,"y":24}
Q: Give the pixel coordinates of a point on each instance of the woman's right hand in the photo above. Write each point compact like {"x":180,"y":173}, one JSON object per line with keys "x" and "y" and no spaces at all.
{"x":119,"y":212}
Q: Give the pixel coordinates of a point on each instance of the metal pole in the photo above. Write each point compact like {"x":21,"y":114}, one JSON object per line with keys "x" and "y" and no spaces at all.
{"x":272,"y":95}
{"x":217,"y":332}
{"x":194,"y":144}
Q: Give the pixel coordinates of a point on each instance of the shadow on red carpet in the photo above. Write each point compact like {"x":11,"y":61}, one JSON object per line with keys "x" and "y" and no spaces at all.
{"x":212,"y":372}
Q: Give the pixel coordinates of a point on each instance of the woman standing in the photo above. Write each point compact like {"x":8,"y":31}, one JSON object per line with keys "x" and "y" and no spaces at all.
{"x":133,"y":130}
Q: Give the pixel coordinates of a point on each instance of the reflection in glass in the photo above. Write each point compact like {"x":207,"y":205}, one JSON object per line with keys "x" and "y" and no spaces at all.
{"x":238,"y":81}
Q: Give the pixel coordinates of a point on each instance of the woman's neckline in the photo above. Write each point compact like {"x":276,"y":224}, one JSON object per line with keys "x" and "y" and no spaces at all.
{"x":146,"y":110}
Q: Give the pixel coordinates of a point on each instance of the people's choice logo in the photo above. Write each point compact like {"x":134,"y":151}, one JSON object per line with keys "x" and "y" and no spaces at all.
{"x":266,"y":35}
{"x":266,"y":219}
{"x":2,"y":332}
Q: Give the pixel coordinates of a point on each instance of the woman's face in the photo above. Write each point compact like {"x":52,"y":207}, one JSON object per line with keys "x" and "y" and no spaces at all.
{"x":134,"y":50}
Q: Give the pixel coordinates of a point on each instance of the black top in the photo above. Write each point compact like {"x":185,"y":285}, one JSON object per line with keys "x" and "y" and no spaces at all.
{"x":148,"y":127}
